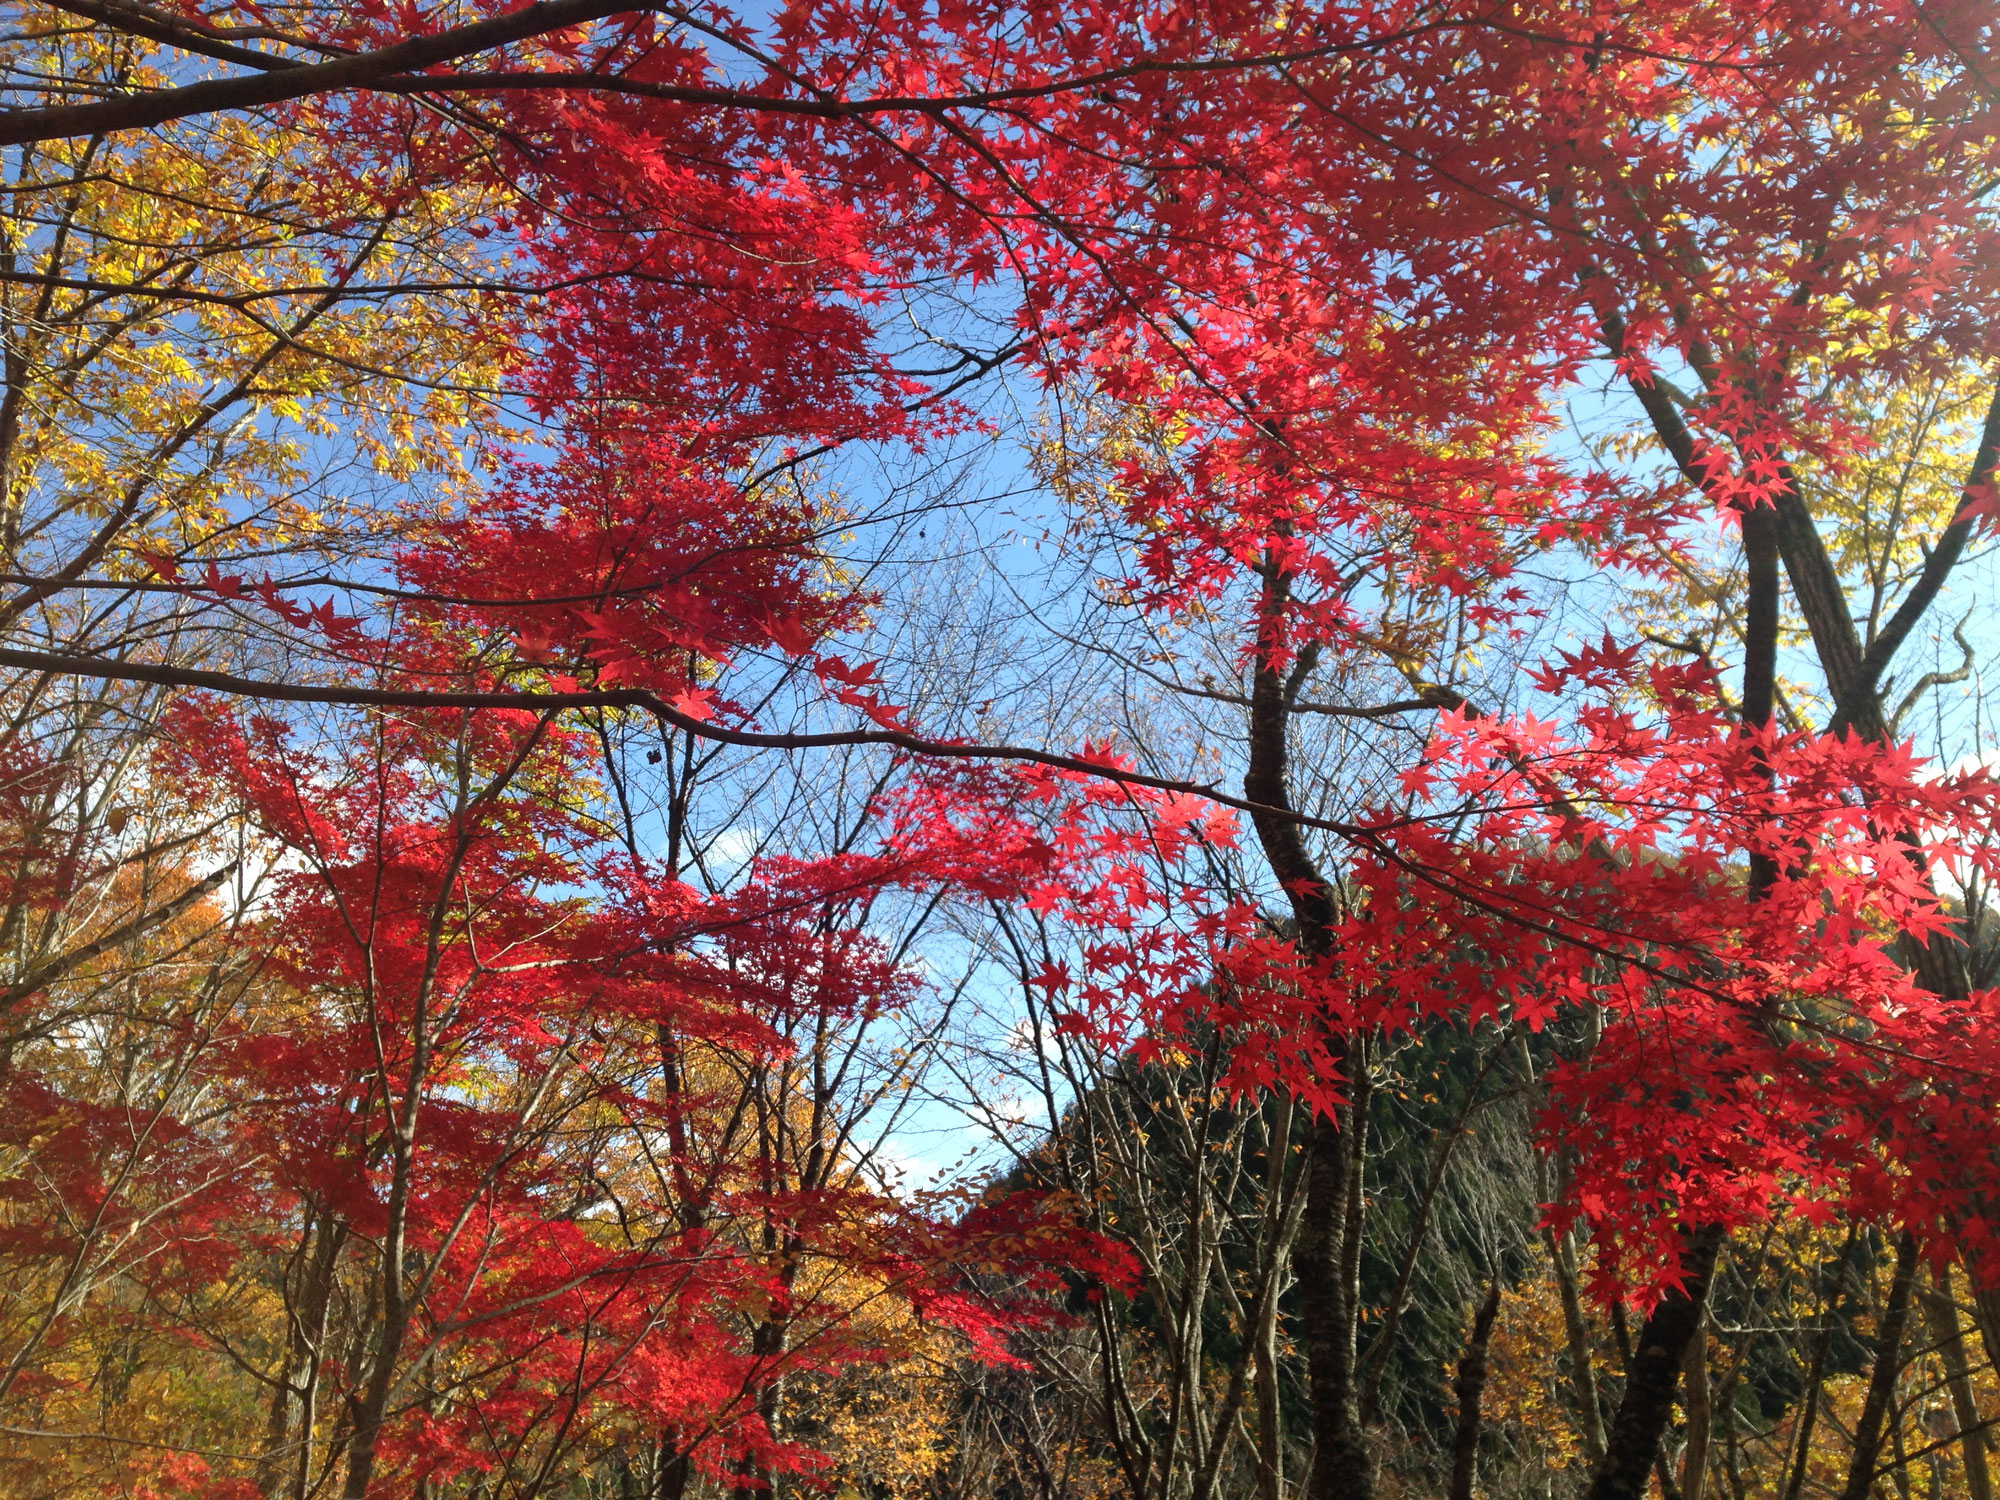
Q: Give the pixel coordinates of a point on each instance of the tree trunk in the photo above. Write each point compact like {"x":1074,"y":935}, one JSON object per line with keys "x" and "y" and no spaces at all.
{"x":1700,"y":1408}
{"x":1582,"y":1370}
{"x":1341,"y":1467}
{"x":373,"y":1407}
{"x":1801,"y":1447}
{"x":1270,"y":1415}
{"x":1471,"y":1384}
{"x":1329,"y":1247}
{"x":1655,"y":1373}
{"x":1986,"y":1313}
{"x":1270,"y":1420}
{"x":672,"y":1468}
{"x":1888,"y":1366}
{"x":295,"y":1403}
{"x":371,"y":1410}
{"x":1949,"y":1337}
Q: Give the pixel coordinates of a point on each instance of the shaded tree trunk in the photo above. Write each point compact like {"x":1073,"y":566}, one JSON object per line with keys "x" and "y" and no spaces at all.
{"x":1700,"y":1417}
{"x":672,"y":1467}
{"x":1949,"y":1339}
{"x":1658,"y":1354}
{"x":1329,"y":1249}
{"x":1576,"y":1332}
{"x":1868,"y":1431}
{"x":371,"y":1411}
{"x":1471,"y":1385}
{"x":1816,"y":1377}
{"x":1270,"y":1415}
{"x":295,"y":1403}
{"x":1328,"y":1257}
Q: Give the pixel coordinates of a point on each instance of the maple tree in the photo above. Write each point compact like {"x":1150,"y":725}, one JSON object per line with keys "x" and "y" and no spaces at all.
{"x":475,"y":381}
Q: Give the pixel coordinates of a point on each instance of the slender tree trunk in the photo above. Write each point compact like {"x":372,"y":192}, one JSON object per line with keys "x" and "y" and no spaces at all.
{"x":1655,"y":1372}
{"x":1576,"y":1331}
{"x":1875,"y":1410}
{"x":403,"y":1113}
{"x":319,"y":1309}
{"x":672,"y":1468}
{"x":1653,"y":1369}
{"x":1281,"y":1222}
{"x":372,"y":1409}
{"x":1329,"y":1248}
{"x":295,"y":1403}
{"x":1949,"y":1338}
{"x":1270,"y":1419}
{"x":1471,"y":1385}
{"x":1732,"y":1457}
{"x":1700,"y":1417}
{"x":1986,"y":1313}
{"x":1562,"y":1261}
{"x":1342,"y":1469}
{"x":278,"y":1420}
{"x":1801,"y":1447}
{"x":767,"y":1343}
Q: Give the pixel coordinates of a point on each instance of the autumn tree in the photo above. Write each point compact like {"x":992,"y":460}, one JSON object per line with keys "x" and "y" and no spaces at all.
{"x":483,"y":378}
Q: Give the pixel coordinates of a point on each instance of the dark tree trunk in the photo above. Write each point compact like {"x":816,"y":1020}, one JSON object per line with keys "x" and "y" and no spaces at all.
{"x":1700,"y":1419}
{"x":1341,"y":1469}
{"x":673,"y":1468}
{"x":1888,"y":1366}
{"x":1471,"y":1384}
{"x":1949,"y":1340}
{"x":1329,"y":1248}
{"x":1655,"y":1372}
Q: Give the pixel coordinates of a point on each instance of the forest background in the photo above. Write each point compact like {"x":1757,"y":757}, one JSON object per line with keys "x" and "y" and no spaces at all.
{"x":1173,"y":750}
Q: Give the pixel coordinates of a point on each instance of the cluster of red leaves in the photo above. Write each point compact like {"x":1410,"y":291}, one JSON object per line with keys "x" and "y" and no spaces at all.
{"x":463,"y":970}
{"x":1750,"y":1051}
{"x":1746,"y":1054}
{"x":1342,"y":258}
